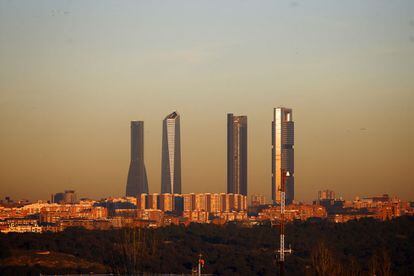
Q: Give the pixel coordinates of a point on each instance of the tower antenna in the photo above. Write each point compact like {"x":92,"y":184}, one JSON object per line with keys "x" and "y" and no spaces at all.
{"x":282,"y":250}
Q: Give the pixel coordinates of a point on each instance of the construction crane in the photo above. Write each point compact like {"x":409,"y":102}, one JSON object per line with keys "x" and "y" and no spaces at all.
{"x":282,"y":250}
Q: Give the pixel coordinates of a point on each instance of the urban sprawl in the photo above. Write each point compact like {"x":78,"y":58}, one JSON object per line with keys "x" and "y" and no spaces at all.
{"x":139,"y":208}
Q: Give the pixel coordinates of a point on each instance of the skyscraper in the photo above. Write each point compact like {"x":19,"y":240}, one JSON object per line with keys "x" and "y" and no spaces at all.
{"x":236,"y":154}
{"x":171,"y":155}
{"x":282,"y":153}
{"x":326,"y":194}
{"x":137,"y":182}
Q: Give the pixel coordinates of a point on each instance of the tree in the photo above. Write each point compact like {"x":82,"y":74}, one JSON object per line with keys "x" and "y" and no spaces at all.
{"x":381,"y":263}
{"x":323,"y":261}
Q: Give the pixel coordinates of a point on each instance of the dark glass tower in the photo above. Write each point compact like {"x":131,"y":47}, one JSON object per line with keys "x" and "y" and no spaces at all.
{"x":236,"y":154}
{"x":283,"y":153}
{"x":137,"y":182}
{"x":171,"y":155}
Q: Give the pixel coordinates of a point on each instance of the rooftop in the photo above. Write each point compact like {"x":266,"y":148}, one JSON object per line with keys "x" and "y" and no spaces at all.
{"x":172,"y":115}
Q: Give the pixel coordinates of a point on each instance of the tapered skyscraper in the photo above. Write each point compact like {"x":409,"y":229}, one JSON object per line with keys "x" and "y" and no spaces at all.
{"x":282,"y":153}
{"x":171,"y":155}
{"x":137,"y":182}
{"x":236,"y":154}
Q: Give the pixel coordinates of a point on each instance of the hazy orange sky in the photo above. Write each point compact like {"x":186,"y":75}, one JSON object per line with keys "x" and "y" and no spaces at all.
{"x":73,"y":74}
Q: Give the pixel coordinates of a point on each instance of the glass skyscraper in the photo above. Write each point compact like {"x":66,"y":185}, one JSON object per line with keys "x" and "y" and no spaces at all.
{"x":283,"y":153}
{"x":236,"y":154}
{"x":137,"y":182}
{"x":171,"y":155}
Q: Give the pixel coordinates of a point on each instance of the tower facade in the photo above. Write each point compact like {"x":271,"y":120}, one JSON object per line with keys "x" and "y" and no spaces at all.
{"x":236,"y":154}
{"x":137,"y":182}
{"x":283,"y":153}
{"x":171,"y":155}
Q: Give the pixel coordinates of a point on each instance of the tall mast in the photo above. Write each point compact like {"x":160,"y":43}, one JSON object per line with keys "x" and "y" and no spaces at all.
{"x":282,"y":250}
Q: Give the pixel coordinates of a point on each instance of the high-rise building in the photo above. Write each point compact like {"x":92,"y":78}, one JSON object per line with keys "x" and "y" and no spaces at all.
{"x":69,"y":197}
{"x":282,"y":153}
{"x":166,"y":202}
{"x":201,"y":202}
{"x":258,"y":200}
{"x":212,"y":203}
{"x":58,"y":198}
{"x":142,"y":201}
{"x":326,"y":194}
{"x":171,"y":155}
{"x":153,"y":201}
{"x":236,"y":154}
{"x":137,"y":182}
{"x":224,"y":203}
{"x":189,"y":202}
{"x":178,"y":204}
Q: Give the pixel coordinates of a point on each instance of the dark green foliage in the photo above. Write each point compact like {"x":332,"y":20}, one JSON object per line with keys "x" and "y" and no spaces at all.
{"x":355,"y":248}
{"x":4,"y":250}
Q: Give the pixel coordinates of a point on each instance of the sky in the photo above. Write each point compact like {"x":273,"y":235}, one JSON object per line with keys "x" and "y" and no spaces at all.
{"x":73,"y":74}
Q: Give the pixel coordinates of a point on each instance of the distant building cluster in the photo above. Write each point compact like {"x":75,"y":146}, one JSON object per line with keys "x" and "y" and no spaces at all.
{"x":143,"y":209}
{"x":237,"y":165}
{"x":68,"y":197}
{"x":377,"y":207}
{"x":338,"y":210}
{"x":158,"y":210}
{"x":41,"y":217}
{"x":148,"y":210}
{"x":258,"y":200}
{"x":293,"y":212}
{"x":212,"y":203}
{"x":137,"y":181}
{"x":326,"y":195}
{"x":200,"y":208}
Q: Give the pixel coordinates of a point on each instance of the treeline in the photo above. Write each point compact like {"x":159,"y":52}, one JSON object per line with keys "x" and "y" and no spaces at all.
{"x":365,"y":247}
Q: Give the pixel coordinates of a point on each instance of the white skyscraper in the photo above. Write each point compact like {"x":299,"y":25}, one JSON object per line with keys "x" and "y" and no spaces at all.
{"x":171,"y":155}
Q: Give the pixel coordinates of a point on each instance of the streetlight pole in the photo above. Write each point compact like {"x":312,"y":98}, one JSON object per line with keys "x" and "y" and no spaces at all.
{"x":200,"y":262}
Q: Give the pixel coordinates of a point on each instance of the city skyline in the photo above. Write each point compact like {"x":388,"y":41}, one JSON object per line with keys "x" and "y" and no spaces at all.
{"x":207,"y":137}
{"x":282,"y":119}
{"x":73,"y":74}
